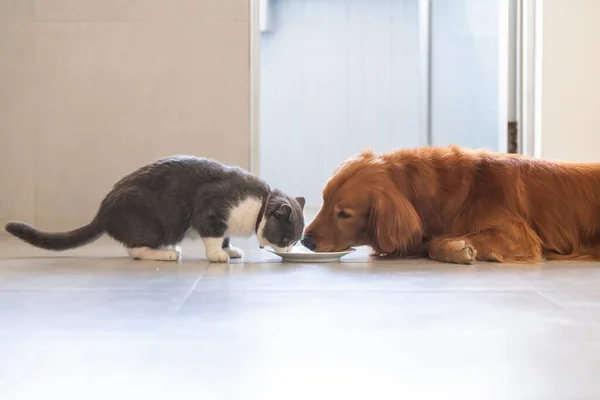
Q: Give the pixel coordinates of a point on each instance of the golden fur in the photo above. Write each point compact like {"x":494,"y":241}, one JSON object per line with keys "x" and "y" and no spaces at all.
{"x":460,"y":206}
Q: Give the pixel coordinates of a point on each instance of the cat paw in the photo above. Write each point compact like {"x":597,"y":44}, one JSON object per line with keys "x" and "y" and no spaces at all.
{"x":218,"y":256}
{"x":172,"y":255}
{"x":147,"y":253}
{"x":177,"y":250}
{"x":234,"y":252}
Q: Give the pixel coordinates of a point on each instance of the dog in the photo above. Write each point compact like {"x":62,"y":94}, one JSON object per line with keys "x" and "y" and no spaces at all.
{"x":457,"y":205}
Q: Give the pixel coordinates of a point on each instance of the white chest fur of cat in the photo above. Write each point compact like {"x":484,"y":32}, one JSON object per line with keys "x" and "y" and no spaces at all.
{"x":150,"y":211}
{"x":242,"y":218}
{"x":241,"y":223}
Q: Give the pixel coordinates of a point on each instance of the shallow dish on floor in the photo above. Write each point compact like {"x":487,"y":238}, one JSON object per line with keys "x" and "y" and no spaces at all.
{"x":302,"y":254}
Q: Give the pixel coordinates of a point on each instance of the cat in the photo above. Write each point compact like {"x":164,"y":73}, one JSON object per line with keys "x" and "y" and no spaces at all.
{"x":151,"y":210}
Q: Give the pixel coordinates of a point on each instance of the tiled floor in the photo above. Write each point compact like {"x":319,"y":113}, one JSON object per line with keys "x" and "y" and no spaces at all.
{"x":94,"y":324}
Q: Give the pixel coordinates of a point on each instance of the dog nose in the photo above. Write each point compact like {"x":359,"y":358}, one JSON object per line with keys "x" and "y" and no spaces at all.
{"x":308,"y":241}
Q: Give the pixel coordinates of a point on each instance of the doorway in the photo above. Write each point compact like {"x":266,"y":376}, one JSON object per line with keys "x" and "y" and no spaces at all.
{"x":341,"y":76}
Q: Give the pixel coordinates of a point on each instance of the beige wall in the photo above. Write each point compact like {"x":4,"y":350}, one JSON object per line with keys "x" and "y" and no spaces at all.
{"x":90,"y":90}
{"x":571,"y":80}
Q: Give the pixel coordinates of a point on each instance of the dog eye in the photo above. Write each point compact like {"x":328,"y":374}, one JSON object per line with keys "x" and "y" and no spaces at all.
{"x":344,"y":215}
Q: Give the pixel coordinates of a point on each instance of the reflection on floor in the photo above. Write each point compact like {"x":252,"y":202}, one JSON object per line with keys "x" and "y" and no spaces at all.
{"x":91,"y":323}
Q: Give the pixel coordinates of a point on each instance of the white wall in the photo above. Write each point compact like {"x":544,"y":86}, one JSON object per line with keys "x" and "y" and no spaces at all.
{"x":571,"y":80}
{"x":91,"y":90}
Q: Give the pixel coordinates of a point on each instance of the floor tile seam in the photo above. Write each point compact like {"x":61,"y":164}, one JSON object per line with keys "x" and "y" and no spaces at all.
{"x":360,"y":291}
{"x":569,"y":311}
{"x":192,"y":289}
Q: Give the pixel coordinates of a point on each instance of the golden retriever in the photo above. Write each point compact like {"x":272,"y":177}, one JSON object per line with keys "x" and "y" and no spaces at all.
{"x":459,"y":206}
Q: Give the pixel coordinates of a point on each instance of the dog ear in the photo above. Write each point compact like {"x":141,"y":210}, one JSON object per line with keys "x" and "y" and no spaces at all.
{"x":394,"y":224}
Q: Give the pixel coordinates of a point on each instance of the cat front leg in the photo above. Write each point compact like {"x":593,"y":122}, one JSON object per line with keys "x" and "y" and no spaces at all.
{"x":233,"y":252}
{"x":214,"y":249}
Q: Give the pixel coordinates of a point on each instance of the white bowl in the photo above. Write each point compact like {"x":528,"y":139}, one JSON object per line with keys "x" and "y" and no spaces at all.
{"x":304,"y":255}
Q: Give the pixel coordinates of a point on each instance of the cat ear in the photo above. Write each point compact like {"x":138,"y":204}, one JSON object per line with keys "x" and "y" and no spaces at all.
{"x":301,"y":201}
{"x":284,"y":211}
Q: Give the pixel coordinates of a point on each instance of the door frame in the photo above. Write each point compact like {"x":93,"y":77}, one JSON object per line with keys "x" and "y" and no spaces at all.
{"x":255,"y":86}
{"x":529,"y":76}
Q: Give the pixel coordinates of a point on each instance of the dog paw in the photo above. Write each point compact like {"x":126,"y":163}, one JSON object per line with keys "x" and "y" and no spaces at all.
{"x":234,"y":252}
{"x":218,"y":256}
{"x":462,"y":252}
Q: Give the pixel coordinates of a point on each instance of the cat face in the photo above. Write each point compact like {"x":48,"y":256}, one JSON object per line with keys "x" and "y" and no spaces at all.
{"x":283,"y":222}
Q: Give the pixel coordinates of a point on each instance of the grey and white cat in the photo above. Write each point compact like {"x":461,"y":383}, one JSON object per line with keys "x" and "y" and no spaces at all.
{"x":152,"y":209}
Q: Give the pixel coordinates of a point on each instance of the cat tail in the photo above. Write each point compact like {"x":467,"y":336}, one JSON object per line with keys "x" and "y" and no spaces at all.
{"x":56,"y":240}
